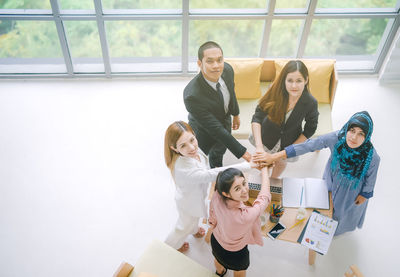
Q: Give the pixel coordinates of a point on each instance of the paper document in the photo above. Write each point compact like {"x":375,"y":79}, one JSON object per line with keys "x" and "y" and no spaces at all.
{"x":307,"y":193}
{"x":319,"y":232}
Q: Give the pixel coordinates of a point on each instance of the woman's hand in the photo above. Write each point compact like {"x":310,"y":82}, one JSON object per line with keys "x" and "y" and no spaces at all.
{"x":359,"y":200}
{"x":259,"y":165}
{"x":263,"y":157}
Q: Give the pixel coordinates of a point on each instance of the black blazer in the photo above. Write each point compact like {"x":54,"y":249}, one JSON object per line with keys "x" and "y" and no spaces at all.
{"x":306,"y":108}
{"x":206,"y":110}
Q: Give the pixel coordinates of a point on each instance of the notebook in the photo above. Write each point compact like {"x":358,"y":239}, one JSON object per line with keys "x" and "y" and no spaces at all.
{"x":307,"y":193}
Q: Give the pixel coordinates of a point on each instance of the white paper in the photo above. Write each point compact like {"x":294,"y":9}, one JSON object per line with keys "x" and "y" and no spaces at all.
{"x":292,"y":192}
{"x":315,"y":193}
{"x":319,"y":233}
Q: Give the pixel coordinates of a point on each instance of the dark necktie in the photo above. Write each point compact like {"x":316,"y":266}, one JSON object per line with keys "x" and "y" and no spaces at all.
{"x":219,"y":92}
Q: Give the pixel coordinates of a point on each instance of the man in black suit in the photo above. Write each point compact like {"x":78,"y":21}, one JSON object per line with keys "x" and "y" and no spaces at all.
{"x":210,"y":100}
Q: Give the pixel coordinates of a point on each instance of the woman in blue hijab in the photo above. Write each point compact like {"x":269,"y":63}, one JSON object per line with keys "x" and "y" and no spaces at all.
{"x":350,"y":172}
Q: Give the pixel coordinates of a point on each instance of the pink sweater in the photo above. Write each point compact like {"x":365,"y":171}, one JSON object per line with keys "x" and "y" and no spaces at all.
{"x":234,"y":224}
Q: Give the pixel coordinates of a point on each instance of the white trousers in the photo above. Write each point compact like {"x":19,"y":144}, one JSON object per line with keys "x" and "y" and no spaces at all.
{"x":185,"y":226}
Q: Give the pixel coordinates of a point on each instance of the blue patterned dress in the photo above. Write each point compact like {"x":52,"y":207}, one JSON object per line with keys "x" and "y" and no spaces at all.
{"x":345,"y":211}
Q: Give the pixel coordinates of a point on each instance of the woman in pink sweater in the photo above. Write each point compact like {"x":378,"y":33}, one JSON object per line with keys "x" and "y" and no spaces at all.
{"x":233,"y":224}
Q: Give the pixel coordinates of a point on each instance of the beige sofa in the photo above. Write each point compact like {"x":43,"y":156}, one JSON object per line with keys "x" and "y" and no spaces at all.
{"x":161,"y":260}
{"x":253,"y":77}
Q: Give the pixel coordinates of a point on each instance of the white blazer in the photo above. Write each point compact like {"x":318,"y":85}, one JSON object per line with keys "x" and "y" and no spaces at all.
{"x":192,"y":179}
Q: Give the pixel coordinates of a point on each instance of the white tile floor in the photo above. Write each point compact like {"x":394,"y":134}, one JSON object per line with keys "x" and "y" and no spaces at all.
{"x":83,"y":183}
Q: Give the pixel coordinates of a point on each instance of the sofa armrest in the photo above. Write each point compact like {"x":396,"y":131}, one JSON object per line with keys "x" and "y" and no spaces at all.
{"x":333,"y":85}
{"x":123,"y":270}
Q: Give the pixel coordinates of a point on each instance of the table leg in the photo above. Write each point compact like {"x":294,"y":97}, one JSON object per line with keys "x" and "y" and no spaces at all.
{"x":311,"y":256}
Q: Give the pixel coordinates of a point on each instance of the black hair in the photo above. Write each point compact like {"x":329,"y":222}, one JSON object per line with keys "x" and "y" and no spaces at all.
{"x":205,"y":46}
{"x":225,"y":180}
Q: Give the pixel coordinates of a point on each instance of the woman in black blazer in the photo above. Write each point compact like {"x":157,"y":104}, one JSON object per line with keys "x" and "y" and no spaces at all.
{"x":277,"y":121}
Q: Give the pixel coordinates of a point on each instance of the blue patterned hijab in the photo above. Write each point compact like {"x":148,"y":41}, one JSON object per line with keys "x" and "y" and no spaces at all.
{"x":351,"y":164}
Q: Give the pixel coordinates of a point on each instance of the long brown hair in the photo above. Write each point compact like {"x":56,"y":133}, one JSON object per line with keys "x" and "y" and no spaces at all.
{"x":173,"y":133}
{"x":275,"y":101}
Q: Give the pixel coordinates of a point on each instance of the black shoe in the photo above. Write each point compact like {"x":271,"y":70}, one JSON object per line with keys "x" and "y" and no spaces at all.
{"x":223,"y":273}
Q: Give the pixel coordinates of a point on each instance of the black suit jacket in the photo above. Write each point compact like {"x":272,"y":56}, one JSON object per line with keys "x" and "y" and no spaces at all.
{"x":206,"y":111}
{"x":306,"y":109}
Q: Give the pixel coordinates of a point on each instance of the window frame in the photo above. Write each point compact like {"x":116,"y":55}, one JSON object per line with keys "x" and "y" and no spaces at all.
{"x":186,"y":15}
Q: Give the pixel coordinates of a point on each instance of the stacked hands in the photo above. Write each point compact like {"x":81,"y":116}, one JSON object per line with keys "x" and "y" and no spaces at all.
{"x":262,"y":159}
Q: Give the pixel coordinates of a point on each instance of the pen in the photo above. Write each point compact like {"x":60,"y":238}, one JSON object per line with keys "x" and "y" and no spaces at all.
{"x":301,"y":197}
{"x":297,"y":223}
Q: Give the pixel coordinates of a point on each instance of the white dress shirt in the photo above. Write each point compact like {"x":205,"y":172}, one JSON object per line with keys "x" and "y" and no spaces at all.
{"x":192,"y":180}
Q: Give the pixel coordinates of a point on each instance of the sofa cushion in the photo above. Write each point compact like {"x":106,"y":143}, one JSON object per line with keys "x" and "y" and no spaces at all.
{"x":268,"y":71}
{"x":319,"y":72}
{"x":247,"y":77}
{"x":247,"y":108}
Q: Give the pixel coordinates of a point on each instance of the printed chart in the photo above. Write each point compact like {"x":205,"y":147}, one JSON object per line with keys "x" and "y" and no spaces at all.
{"x":319,"y":232}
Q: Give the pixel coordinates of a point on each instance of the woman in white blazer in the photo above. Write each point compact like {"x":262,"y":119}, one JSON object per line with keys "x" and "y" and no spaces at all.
{"x":192,"y":175}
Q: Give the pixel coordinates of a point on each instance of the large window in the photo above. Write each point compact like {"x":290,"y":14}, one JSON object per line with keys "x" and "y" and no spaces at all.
{"x":148,"y":37}
{"x":30,"y":47}
{"x":284,"y":37}
{"x":144,"y":46}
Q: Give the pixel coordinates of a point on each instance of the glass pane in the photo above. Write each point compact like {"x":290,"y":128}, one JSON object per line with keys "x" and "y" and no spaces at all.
{"x":142,"y":4}
{"x":76,"y":4}
{"x":238,"y":38}
{"x":284,"y":38}
{"x":30,"y":43}
{"x":356,"y":4}
{"x":147,"y":41}
{"x":26,"y":4}
{"x":84,"y":46}
{"x":291,"y":4}
{"x":351,"y":37}
{"x":228,"y":4}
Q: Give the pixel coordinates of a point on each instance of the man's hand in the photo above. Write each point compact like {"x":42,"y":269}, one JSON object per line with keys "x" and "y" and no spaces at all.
{"x":360,"y":199}
{"x":236,"y":122}
{"x":247,"y":156}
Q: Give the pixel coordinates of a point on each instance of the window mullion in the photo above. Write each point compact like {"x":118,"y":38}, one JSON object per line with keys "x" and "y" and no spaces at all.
{"x":306,"y":28}
{"x":185,"y":36}
{"x":267,"y":29}
{"x":103,"y":38}
{"x":62,"y":37}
